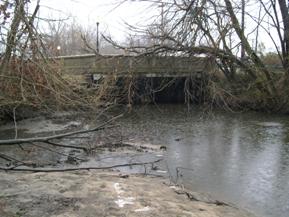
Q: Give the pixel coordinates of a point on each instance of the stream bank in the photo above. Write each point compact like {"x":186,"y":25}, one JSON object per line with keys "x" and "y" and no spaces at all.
{"x":89,"y":193}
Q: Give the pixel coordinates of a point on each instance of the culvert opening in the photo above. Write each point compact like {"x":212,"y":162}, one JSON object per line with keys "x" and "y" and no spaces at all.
{"x":170,"y":89}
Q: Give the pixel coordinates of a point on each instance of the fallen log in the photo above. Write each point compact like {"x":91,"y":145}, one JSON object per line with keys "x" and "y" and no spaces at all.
{"x":27,"y":169}
{"x":59,"y":136}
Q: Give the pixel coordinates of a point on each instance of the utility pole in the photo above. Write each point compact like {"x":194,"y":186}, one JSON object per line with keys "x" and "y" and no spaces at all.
{"x":243,"y":29}
{"x":97,"y":37}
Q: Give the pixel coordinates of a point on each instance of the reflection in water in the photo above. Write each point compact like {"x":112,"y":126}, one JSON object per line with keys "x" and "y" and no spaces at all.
{"x":240,"y":158}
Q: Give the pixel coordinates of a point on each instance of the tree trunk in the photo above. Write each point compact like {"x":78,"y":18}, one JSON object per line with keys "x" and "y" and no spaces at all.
{"x":285,"y":18}
{"x":11,"y":38}
{"x":256,"y":60}
{"x":243,"y":29}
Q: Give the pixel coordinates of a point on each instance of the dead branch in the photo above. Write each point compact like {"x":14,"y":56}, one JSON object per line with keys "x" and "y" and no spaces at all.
{"x":56,"y":152}
{"x":77,"y":168}
{"x":11,"y":159}
{"x":65,"y":146}
{"x":59,"y":136}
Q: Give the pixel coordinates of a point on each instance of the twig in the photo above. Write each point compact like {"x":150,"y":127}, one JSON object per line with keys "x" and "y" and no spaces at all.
{"x":77,"y":137}
{"x":15,"y":122}
{"x":66,"y":146}
{"x":5,"y":157}
{"x":178,"y":169}
{"x":75,"y":168}
{"x":10,"y":159}
{"x":56,"y":152}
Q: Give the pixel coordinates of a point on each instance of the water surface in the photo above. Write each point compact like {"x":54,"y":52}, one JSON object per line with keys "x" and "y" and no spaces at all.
{"x":242,"y":158}
{"x":239,"y":158}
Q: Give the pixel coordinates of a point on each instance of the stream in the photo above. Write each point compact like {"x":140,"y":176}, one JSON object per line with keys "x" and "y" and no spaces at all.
{"x":241,"y":158}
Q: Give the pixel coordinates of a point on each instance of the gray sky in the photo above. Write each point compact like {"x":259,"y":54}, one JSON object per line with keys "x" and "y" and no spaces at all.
{"x":111,"y":14}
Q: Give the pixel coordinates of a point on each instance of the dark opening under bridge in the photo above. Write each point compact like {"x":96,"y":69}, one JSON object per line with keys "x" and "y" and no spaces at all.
{"x":148,"y":71}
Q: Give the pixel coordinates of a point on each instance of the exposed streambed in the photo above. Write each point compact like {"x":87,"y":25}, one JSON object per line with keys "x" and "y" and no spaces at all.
{"x":239,"y":158}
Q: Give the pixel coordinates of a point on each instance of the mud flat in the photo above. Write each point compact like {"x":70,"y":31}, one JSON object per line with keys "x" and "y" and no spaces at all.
{"x":91,"y":193}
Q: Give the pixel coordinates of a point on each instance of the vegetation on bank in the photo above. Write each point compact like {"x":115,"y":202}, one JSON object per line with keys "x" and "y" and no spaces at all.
{"x":246,"y":76}
{"x":231,"y":33}
{"x":30,"y":78}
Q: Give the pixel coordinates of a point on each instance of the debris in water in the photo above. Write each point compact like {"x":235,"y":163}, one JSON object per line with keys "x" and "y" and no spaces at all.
{"x":124,"y":176}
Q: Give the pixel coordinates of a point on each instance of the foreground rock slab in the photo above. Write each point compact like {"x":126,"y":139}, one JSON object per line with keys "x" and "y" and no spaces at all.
{"x":91,"y":194}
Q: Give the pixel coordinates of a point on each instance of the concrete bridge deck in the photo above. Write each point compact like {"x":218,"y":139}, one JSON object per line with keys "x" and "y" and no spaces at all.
{"x":150,"y":66}
{"x":156,"y":78}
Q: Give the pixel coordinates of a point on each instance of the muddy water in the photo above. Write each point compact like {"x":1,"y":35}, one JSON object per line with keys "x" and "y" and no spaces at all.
{"x":240,"y":158}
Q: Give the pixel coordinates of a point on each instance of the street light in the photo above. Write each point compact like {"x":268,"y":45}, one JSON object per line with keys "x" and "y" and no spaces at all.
{"x":97,"y":37}
{"x":58,"y":48}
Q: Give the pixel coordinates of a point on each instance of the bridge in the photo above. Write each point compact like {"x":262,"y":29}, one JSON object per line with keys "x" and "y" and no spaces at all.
{"x":144,"y":66}
{"x":156,"y":78}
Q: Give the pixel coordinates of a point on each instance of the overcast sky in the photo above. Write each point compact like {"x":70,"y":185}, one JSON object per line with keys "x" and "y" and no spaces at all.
{"x":111,"y":14}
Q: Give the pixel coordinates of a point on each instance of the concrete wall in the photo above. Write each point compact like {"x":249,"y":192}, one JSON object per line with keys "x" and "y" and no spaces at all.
{"x":134,"y":65}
